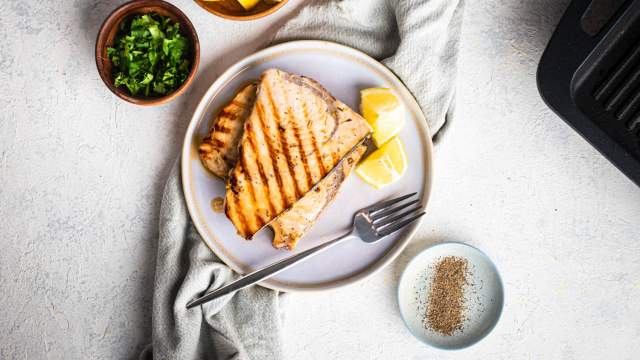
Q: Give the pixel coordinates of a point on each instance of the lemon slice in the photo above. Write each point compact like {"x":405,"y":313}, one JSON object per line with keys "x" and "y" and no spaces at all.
{"x":385,"y":165}
{"x":384,"y":112}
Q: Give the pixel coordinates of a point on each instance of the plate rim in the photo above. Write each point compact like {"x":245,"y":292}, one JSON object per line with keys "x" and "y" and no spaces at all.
{"x":230,"y":73}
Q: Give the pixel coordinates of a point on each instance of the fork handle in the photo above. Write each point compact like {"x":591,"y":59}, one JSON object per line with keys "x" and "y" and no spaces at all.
{"x":268,"y":271}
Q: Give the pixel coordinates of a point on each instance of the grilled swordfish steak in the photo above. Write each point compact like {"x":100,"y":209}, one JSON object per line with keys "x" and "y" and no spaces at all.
{"x":219,"y":150}
{"x":294,"y":136}
{"x":290,"y":226}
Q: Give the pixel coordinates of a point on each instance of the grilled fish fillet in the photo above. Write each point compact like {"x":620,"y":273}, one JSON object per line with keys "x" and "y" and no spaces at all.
{"x":296,"y":134}
{"x":219,"y":150}
{"x":290,"y":226}
{"x":293,"y":223}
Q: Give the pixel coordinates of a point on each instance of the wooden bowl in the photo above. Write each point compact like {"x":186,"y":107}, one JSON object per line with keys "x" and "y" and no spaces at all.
{"x":231,"y":9}
{"x":109,"y":30}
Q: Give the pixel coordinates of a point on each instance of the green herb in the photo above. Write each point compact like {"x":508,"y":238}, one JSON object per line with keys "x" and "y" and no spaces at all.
{"x":149,"y":55}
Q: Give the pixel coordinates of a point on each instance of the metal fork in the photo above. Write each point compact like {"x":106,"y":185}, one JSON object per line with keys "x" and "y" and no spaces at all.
{"x":370,"y":225}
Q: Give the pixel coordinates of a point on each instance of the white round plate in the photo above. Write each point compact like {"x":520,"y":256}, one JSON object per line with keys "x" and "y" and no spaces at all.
{"x":483,"y":299}
{"x":344,"y":72}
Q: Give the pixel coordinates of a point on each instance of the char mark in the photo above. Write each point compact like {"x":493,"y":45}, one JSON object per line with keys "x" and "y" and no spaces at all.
{"x":232,"y":211}
{"x":263,"y":178}
{"x":251,"y":191}
{"x":262,"y":118}
{"x":283,"y":142}
{"x":321,"y":92}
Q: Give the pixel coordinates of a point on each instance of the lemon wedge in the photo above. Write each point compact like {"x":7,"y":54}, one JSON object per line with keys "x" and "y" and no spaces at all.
{"x":385,"y":165}
{"x":248,"y":4}
{"x":384,"y":112}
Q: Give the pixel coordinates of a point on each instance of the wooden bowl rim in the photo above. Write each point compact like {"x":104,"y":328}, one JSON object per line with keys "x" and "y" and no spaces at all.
{"x":247,"y":17}
{"x":122,"y":12}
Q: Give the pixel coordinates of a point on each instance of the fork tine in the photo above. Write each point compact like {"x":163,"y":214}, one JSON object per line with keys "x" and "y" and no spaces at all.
{"x":385,"y":204}
{"x":390,"y":229}
{"x":392,"y":210}
{"x":388,"y":220}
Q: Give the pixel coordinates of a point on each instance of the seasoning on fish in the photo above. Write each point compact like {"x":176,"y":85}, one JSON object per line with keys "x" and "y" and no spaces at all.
{"x":292,"y":224}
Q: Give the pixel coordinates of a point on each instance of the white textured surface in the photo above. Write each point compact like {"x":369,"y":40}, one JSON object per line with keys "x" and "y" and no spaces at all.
{"x":81,"y":173}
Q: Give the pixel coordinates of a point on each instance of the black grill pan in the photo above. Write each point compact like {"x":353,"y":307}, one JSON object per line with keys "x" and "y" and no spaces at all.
{"x":589,"y":75}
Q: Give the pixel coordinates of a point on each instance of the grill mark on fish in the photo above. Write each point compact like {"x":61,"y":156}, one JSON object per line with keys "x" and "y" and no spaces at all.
{"x":222,"y":129}
{"x":228,"y":114}
{"x":292,"y":121}
{"x":279,"y":183}
{"x":283,"y":144}
{"x":217,"y":142}
{"x":330,"y":112}
{"x":305,"y":163}
{"x":322,"y":93}
{"x":314,"y":144}
{"x":219,"y":150}
{"x":263,"y":177}
{"x":242,"y":220}
{"x":251,"y":190}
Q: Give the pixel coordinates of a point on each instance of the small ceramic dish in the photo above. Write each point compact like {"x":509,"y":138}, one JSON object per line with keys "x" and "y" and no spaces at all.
{"x":484,"y":296}
{"x":109,"y":30}
{"x":232,"y":10}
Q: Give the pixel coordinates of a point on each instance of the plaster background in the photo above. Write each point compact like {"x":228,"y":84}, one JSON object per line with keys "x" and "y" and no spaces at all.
{"x":81,"y":174}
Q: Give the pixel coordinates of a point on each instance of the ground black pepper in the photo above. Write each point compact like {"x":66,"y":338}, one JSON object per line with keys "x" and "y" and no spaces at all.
{"x":446,"y":303}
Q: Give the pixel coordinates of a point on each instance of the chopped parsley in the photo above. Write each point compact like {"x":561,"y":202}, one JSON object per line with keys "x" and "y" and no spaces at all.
{"x":149,"y":55}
